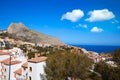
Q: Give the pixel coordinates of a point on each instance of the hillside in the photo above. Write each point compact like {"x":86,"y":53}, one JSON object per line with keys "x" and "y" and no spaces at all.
{"x":20,"y":32}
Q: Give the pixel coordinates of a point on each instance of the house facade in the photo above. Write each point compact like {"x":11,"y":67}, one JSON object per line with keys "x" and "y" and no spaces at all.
{"x":15,"y":66}
{"x":36,"y":68}
{"x":8,"y":69}
{"x":18,"y":74}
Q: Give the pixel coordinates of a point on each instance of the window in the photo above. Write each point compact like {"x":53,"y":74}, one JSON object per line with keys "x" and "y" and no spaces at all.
{"x":24,"y":69}
{"x":4,"y":78}
{"x":30,"y":78}
{"x":23,"y":78}
{"x":5,"y":70}
{"x":30,"y":69}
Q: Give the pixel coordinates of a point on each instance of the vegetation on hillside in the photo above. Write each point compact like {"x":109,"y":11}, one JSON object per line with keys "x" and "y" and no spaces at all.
{"x":62,"y":66}
{"x":107,"y":71}
{"x":116,"y":56}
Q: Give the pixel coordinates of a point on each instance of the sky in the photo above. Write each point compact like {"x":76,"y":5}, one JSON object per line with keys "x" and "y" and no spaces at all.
{"x":94,"y":22}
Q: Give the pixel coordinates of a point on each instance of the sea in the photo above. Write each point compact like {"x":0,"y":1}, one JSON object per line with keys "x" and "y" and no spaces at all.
{"x":98,"y":48}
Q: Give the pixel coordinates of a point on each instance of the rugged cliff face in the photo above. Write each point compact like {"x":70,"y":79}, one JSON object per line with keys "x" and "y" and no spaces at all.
{"x":20,"y":31}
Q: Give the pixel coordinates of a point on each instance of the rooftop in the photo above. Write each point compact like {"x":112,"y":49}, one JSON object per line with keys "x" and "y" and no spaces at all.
{"x":18,"y":71}
{"x":7,"y":62}
{"x":36,"y":60}
{"x":4,"y":53}
{"x":6,"y":59}
{"x":25,"y":65}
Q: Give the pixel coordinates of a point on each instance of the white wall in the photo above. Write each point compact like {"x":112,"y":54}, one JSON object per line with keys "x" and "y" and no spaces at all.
{"x":13,"y":69}
{"x":16,"y":52}
{"x":18,"y":77}
{"x":37,"y":69}
{"x":2,"y":57}
{"x":3,"y":43}
{"x":25,"y":73}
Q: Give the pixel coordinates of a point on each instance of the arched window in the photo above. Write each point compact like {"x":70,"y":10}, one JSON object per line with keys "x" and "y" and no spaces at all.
{"x":24,"y":68}
{"x":30,"y":78}
{"x":5,"y":78}
{"x":30,"y":68}
{"x":5,"y":70}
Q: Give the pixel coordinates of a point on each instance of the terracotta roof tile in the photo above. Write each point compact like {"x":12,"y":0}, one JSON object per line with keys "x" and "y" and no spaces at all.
{"x":7,"y":59}
{"x":7,"y":62}
{"x":18,"y":71}
{"x":4,"y":53}
{"x":25,"y":65}
{"x":36,"y":60}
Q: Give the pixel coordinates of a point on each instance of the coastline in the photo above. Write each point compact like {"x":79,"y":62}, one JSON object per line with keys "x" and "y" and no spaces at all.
{"x":98,"y":48}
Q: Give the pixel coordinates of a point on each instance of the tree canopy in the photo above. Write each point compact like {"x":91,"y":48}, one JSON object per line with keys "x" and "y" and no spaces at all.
{"x":116,"y":56}
{"x":63,"y":65}
{"x":108,"y":72}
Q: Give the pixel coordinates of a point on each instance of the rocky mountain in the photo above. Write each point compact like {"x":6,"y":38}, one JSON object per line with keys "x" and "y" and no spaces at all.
{"x":20,"y":31}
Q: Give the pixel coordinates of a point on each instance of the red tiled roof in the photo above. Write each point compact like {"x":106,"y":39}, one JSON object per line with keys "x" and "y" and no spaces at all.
{"x":25,"y":65}
{"x":36,"y":60}
{"x":4,"y":53}
{"x":18,"y":71}
{"x":7,"y":59}
{"x":7,"y":62}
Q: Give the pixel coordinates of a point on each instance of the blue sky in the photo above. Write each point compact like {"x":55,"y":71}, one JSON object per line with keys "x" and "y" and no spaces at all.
{"x":73,"y":21}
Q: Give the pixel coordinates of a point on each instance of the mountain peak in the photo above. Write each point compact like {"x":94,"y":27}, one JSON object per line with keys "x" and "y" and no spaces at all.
{"x":15,"y":27}
{"x":20,"y":31}
{"x":17,"y":24}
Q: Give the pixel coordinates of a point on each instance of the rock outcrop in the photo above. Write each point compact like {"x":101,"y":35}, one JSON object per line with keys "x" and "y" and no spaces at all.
{"x":20,"y":31}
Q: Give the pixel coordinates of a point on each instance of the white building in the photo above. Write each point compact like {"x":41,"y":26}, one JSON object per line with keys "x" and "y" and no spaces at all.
{"x":2,"y":43}
{"x":94,"y":57}
{"x":84,"y":51}
{"x":112,"y":63}
{"x":42,"y":44}
{"x":14,"y":65}
{"x":9,"y":67}
{"x":25,"y":71}
{"x":17,"y":59}
{"x":18,"y":74}
{"x":3,"y":56}
{"x":16,"y":52}
{"x":36,"y":68}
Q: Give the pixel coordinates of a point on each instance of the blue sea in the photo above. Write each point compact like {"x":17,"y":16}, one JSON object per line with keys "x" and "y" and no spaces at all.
{"x":98,"y":48}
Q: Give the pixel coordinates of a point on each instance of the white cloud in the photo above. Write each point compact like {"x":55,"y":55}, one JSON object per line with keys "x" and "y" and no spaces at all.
{"x":100,"y":15}
{"x":96,"y":29}
{"x":82,"y":25}
{"x":73,"y":16}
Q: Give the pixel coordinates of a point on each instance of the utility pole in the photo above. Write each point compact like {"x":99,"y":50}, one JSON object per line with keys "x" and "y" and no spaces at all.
{"x":9,"y":67}
{"x":26,"y":76}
